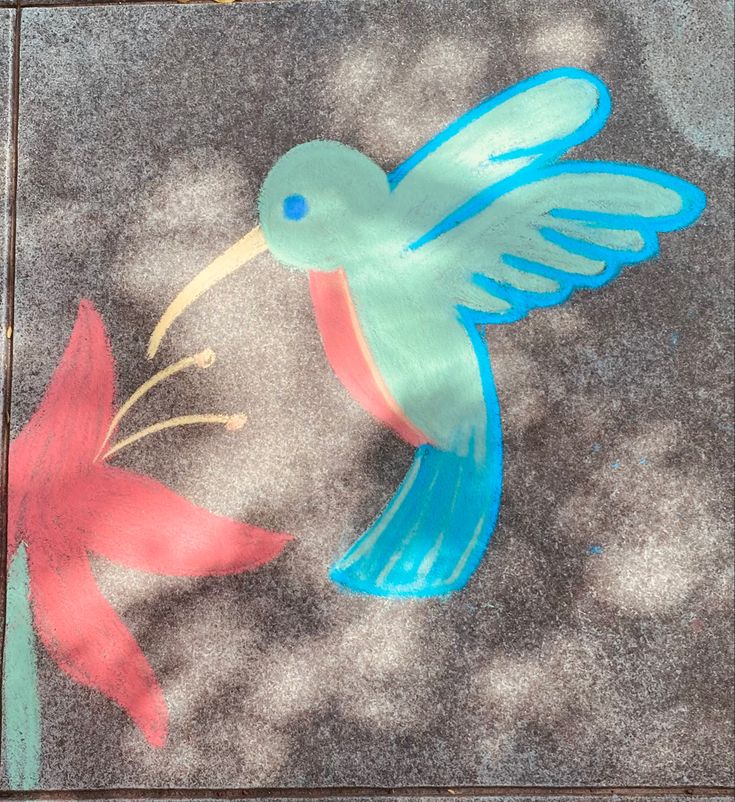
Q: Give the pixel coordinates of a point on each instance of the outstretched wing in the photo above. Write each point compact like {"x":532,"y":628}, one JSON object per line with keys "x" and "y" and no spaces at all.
{"x":531,"y":123}
{"x":558,"y":228}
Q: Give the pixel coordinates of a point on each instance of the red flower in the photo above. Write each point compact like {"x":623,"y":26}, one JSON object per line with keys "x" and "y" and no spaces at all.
{"x":65,"y":501}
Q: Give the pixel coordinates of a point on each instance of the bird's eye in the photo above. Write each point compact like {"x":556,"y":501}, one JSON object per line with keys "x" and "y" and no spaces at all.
{"x":295,"y":207}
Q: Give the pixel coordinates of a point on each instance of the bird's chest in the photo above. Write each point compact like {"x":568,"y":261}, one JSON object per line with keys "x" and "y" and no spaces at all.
{"x":361,"y":348}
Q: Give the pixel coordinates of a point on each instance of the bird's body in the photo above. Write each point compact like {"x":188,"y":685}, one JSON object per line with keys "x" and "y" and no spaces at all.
{"x":481,"y":225}
{"x":421,"y":359}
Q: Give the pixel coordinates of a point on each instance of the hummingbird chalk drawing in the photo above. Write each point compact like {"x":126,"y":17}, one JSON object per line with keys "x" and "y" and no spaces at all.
{"x":479,"y":226}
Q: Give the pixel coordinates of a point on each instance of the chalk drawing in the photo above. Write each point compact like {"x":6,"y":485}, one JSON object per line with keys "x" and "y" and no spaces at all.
{"x":480,"y":226}
{"x":65,"y":501}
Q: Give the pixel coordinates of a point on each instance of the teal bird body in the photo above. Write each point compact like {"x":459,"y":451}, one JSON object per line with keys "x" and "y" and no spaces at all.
{"x":401,"y":297}
{"x":480,"y":226}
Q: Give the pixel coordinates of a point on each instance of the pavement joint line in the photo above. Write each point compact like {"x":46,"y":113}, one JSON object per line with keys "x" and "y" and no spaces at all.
{"x":351,"y":792}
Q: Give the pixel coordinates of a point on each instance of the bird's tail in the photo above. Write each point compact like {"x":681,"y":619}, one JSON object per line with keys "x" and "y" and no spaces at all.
{"x":433,"y":532}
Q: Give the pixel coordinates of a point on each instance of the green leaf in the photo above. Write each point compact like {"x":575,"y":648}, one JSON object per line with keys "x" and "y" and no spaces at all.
{"x":21,"y":705}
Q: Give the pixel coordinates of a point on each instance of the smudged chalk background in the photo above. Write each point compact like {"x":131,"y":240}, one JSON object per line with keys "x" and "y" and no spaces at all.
{"x":145,"y":133}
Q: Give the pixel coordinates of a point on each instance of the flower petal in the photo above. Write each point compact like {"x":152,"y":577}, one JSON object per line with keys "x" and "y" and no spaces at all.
{"x":87,"y":639}
{"x":136,"y":521}
{"x":71,"y":421}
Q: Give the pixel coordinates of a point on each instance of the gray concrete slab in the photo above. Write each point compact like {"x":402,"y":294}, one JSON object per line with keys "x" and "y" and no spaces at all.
{"x":7,"y":18}
{"x":594,"y":644}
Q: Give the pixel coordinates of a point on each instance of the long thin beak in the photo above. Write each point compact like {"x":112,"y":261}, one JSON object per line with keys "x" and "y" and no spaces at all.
{"x":228,"y":262}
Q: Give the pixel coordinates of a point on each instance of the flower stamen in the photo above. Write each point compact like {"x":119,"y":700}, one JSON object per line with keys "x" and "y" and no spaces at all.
{"x":230,"y":422}
{"x":204,"y":359}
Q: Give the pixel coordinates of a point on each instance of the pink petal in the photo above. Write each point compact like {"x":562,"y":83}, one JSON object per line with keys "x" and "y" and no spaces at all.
{"x":71,"y":421}
{"x":136,"y":521}
{"x":87,"y":639}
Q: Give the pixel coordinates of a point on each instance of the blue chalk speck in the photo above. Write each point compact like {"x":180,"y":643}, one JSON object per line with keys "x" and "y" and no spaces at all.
{"x":615,"y":466}
{"x":295,"y":207}
{"x":643,"y":461}
{"x":675,"y":338}
{"x":595,"y":550}
{"x":596,"y":447}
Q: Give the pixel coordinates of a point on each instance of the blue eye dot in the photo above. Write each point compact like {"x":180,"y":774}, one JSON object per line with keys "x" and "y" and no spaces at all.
{"x":295,"y":207}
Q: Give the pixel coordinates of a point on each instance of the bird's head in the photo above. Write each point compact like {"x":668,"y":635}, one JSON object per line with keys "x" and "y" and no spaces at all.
{"x":320,"y":204}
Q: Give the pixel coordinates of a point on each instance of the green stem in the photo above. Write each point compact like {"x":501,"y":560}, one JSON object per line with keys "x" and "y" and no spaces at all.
{"x":21,"y":705}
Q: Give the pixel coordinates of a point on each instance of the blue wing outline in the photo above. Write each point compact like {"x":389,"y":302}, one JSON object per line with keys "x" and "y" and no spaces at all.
{"x":548,"y":150}
{"x":693,"y":202}
{"x":596,"y":222}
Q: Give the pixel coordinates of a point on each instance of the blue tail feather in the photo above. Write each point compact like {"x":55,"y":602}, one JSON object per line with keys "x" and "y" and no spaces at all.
{"x":431,"y":534}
